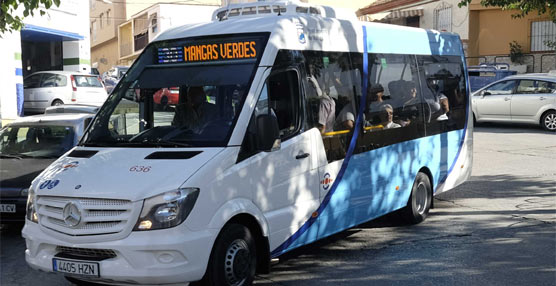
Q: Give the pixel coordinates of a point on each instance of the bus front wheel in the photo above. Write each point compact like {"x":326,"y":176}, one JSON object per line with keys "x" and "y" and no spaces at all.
{"x":233,"y":259}
{"x":420,"y":200}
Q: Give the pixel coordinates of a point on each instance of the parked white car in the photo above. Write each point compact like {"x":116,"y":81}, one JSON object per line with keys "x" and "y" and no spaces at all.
{"x":48,"y":88}
{"x":527,"y":98}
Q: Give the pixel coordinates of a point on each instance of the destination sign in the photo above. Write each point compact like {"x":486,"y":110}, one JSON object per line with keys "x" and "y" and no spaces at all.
{"x":208,"y":52}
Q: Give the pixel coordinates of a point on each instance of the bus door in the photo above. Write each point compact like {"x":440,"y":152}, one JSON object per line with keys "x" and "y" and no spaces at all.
{"x":285,"y":179}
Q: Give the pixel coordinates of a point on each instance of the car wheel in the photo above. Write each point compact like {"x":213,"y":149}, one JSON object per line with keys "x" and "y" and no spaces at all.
{"x":57,"y":102}
{"x":419,"y":203}
{"x":548,"y":121}
{"x":233,"y":258}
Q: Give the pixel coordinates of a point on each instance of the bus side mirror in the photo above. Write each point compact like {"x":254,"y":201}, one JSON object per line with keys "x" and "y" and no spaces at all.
{"x":268,"y":134}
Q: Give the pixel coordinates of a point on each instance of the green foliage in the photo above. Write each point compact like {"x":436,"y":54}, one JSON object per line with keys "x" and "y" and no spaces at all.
{"x":516,"y":53}
{"x":551,"y":44}
{"x":523,"y":7}
{"x":10,"y":22}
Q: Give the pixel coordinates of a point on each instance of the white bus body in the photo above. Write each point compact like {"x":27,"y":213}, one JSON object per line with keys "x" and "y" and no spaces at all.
{"x":145,"y":199}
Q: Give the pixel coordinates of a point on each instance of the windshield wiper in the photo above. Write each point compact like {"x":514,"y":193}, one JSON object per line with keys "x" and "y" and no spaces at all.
{"x":96,"y":144}
{"x":11,"y":156}
{"x":158,"y":143}
{"x":45,"y":156}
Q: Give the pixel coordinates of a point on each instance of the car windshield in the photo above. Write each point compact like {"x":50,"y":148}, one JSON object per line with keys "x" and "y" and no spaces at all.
{"x":39,"y":141}
{"x":185,"y":93}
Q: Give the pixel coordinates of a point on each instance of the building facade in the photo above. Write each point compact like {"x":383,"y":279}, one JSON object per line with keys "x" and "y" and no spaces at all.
{"x":142,"y":27}
{"x":491,"y":30}
{"x":105,"y":19}
{"x":46,"y":42}
{"x":440,"y":15}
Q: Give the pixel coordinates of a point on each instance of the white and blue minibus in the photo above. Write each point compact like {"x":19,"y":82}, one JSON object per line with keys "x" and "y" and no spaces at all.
{"x":230,"y":143}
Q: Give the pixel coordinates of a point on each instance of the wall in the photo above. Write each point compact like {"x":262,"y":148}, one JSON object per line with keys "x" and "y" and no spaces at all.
{"x":72,"y":16}
{"x":106,"y":55}
{"x":496,"y":29}
{"x":177,"y":15}
{"x":110,"y":24}
{"x":460,"y":17}
{"x":134,"y":7}
{"x":11,"y":83}
{"x":349,"y":4}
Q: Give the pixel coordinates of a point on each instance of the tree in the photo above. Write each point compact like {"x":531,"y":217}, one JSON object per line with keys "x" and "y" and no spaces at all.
{"x":524,"y":7}
{"x":10,"y":22}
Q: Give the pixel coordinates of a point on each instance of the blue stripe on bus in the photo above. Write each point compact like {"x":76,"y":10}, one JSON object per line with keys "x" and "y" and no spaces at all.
{"x":377,"y":182}
{"x":18,"y":72}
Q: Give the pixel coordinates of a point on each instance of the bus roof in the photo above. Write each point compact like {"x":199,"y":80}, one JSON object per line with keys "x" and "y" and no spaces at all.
{"x":300,"y":26}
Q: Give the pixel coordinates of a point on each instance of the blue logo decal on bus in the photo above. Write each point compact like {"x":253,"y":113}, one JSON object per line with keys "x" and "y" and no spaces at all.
{"x":49,"y":184}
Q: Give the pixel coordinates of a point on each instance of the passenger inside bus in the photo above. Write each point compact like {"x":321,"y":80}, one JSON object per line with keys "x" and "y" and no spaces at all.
{"x":346,"y":118}
{"x":438,"y":104}
{"x":327,"y":106}
{"x":410,"y":109}
{"x":375,"y":101}
{"x":386,"y":115}
{"x":193,"y":111}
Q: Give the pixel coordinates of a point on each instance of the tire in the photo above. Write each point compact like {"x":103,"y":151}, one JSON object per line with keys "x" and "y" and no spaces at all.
{"x":233,"y":259}
{"x":548,"y":121}
{"x":57,"y":102}
{"x":419,"y":203}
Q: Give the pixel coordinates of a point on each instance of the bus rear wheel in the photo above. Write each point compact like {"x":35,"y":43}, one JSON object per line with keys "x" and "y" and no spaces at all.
{"x":233,"y":259}
{"x":419,"y":203}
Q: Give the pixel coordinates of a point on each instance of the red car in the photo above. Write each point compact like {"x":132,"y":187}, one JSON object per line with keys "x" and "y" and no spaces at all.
{"x":166,"y":96}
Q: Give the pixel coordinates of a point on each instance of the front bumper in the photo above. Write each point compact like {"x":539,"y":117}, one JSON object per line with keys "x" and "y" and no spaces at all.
{"x":170,"y":256}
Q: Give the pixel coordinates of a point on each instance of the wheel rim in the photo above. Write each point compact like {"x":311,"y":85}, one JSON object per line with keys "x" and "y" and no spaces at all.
{"x":421,"y":198}
{"x":550,"y":121}
{"x":237,"y":263}
{"x":57,"y":103}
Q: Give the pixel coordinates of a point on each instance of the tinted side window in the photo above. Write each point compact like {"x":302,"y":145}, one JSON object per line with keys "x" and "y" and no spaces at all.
{"x":32,"y":81}
{"x":284,"y":99}
{"x":332,"y":90}
{"x":501,"y":88}
{"x":61,"y":80}
{"x":528,"y":86}
{"x":394,"y":105}
{"x":48,"y":80}
{"x":546,"y":87}
{"x":87,"y":81}
{"x":444,"y":92}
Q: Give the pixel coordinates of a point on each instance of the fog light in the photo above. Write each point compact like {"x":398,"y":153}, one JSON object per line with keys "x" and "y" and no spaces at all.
{"x":145,"y":225}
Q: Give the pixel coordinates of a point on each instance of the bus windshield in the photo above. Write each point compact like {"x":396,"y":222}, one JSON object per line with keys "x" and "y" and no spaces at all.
{"x":185,"y":93}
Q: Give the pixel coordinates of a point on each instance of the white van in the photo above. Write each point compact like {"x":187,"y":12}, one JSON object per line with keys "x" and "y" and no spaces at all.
{"x":257,"y":157}
{"x":52,"y":88}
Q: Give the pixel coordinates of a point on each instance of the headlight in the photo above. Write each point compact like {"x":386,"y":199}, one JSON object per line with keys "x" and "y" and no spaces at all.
{"x":31,"y":209}
{"x":167,"y":210}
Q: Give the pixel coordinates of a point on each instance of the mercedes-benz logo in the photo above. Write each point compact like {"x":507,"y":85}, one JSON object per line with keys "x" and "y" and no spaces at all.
{"x":72,"y":214}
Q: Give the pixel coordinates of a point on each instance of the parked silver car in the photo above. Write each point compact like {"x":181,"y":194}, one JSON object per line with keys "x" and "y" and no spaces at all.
{"x":527,"y":98}
{"x":43,"y":89}
{"x":72,"y":108}
{"x":27,"y":146}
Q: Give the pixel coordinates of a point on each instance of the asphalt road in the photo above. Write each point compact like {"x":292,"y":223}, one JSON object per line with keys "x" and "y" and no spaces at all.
{"x":499,"y":228}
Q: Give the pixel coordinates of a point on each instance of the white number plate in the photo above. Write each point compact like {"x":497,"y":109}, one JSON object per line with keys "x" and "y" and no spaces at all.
{"x":75,"y":267}
{"x":7,"y":208}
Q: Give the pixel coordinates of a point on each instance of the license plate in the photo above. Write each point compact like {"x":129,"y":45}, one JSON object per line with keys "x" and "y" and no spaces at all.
{"x":7,"y":208}
{"x":75,"y":267}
